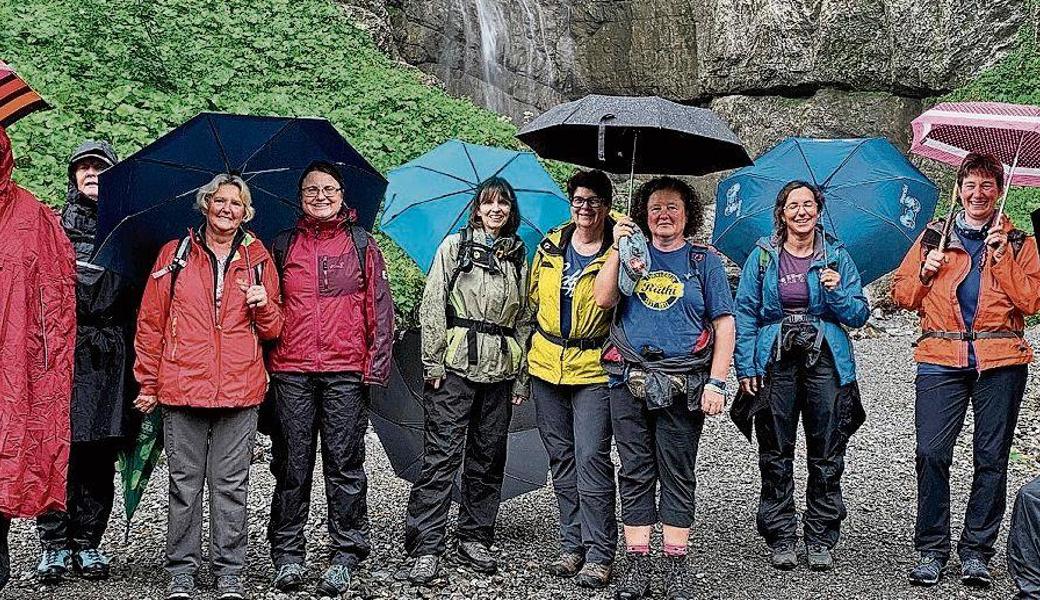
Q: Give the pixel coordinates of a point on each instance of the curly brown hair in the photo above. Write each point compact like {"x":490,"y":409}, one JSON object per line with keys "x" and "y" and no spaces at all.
{"x":691,"y":202}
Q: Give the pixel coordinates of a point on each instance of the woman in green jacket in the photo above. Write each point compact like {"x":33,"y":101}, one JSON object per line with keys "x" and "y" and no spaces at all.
{"x":472,"y":315}
{"x":568,"y":383}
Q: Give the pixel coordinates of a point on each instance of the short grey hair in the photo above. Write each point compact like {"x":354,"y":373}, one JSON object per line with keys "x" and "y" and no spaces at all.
{"x":205,"y":192}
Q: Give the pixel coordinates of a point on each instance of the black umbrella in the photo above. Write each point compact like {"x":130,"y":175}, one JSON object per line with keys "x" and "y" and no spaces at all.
{"x":397,"y":416}
{"x":630,"y":134}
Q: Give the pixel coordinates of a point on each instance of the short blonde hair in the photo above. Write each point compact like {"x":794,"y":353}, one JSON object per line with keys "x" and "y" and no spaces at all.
{"x":206,"y":192}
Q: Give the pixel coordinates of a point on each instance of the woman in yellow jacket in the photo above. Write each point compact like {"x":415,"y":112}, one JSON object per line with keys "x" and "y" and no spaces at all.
{"x":568,"y":383}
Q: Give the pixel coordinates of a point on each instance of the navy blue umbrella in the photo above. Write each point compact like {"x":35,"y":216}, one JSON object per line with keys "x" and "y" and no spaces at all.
{"x":148,"y":199}
{"x":876,"y":201}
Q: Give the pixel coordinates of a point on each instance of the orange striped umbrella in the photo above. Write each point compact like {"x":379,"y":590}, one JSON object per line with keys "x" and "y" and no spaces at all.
{"x":17,"y":99}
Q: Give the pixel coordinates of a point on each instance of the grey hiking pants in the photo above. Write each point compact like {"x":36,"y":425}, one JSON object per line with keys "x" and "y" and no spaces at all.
{"x":212,"y":446}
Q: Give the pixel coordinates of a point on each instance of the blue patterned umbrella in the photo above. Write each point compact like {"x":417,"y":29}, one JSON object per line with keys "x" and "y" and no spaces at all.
{"x":876,"y":202}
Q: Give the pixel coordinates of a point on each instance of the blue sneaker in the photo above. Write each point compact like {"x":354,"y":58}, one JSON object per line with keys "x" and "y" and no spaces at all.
{"x":335,"y":582}
{"x":90,"y":564}
{"x":54,"y":565}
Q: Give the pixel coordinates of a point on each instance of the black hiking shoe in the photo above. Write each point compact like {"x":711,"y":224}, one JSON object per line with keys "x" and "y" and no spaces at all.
{"x":594,"y":576}
{"x":335,"y":582}
{"x":928,"y":571}
{"x":425,"y":569}
{"x":477,"y":556}
{"x":230,"y":587}
{"x":567,"y":564}
{"x":679,"y":582}
{"x":182,"y":587}
{"x":975,"y":572}
{"x":819,"y":557}
{"x":54,"y":565}
{"x":90,"y":564}
{"x":785,"y":555}
{"x":289,"y":577}
{"x":635,"y":582}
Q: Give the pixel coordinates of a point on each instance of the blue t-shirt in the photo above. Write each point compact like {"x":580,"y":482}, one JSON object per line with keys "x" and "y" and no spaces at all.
{"x":574,"y":263}
{"x":669,"y":309}
{"x":967,"y":296}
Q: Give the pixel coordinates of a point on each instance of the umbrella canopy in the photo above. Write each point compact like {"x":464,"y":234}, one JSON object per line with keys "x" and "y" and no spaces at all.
{"x":148,"y":199}
{"x":136,"y":463}
{"x":397,"y":416}
{"x":876,"y":202}
{"x":1011,"y":132}
{"x":17,"y":99}
{"x":430,"y":197}
{"x":623,"y":134}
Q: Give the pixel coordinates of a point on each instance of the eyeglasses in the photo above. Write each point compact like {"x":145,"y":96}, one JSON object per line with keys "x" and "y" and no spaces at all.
{"x":313,"y":190}
{"x":591,"y":202}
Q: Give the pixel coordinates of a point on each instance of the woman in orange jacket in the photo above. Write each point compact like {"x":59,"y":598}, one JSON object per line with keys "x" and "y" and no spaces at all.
{"x":972,"y":296}
{"x":211,"y":300}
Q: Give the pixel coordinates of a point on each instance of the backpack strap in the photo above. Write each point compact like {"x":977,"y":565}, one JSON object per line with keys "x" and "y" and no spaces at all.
{"x":178,"y":262}
{"x":696,"y":256}
{"x":763,"y":262}
{"x":280,"y":249}
{"x":360,"y":237}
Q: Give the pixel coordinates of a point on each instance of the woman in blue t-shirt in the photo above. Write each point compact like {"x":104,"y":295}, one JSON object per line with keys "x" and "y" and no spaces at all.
{"x":798,"y":290}
{"x":671,"y":345}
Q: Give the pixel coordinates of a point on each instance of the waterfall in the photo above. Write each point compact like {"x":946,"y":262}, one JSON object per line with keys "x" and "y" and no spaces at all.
{"x":491,"y":26}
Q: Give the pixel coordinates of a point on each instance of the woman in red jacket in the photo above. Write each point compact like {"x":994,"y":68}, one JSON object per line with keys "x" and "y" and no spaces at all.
{"x":210,"y":302}
{"x":338,"y":336}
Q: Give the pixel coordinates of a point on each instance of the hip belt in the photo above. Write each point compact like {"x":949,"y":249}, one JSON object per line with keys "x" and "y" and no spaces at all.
{"x":970,"y":336}
{"x":594,"y":343}
{"x":474,"y":327}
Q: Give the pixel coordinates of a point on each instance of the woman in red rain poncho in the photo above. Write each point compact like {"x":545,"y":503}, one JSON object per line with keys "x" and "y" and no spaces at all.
{"x":37,"y":337}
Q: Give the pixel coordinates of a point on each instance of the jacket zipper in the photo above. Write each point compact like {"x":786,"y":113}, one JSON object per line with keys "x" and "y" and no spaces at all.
{"x":43,"y":332}
{"x":173,"y":335}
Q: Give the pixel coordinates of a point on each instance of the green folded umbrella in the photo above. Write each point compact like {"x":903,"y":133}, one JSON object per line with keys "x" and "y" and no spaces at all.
{"x":137,"y":463}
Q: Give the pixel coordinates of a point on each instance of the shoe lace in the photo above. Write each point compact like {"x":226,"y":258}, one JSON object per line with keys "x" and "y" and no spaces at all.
{"x":229,"y":582}
{"x":54,"y":557}
{"x":92,"y":556}
{"x":289,"y":570}
{"x":338,"y":575}
{"x":426,"y":563}
{"x":478,"y":551}
{"x":182,"y":580}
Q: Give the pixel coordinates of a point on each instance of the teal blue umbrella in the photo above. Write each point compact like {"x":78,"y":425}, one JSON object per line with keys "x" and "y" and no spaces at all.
{"x":429,"y":198}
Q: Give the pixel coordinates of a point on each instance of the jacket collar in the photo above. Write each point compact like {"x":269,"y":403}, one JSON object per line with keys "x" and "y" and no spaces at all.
{"x":556,"y":241}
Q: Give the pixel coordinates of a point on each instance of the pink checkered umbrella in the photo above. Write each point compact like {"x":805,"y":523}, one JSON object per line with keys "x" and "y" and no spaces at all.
{"x":1011,"y":132}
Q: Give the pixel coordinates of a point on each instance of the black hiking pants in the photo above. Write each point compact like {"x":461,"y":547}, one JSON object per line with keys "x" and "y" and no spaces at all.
{"x":467,"y":425}
{"x":574,"y":423}
{"x":334,"y":405}
{"x":942,"y":403}
{"x":811,"y":391}
{"x":90,"y":493}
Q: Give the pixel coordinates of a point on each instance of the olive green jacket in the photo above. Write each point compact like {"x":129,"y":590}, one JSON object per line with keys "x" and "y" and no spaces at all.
{"x":490,"y":295}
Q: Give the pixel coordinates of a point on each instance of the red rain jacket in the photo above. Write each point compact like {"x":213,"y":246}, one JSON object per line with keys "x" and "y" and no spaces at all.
{"x":334,"y":322}
{"x":187,"y":354}
{"x":37,"y":338}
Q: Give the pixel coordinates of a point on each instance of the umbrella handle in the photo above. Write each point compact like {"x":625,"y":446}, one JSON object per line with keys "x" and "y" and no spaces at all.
{"x":632,"y":173}
{"x":949,"y":218}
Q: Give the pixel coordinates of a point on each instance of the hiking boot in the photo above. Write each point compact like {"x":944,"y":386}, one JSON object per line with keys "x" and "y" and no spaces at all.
{"x":928,"y":571}
{"x":819,"y":557}
{"x":635,"y":582}
{"x":289,"y":577}
{"x":54,"y":565}
{"x":229,"y":587}
{"x":679,"y":582}
{"x":90,"y":564}
{"x":182,"y":587}
{"x":335,"y":581}
{"x":785,"y":555}
{"x":975,"y":572}
{"x":567,"y":564}
{"x":477,"y":556}
{"x":425,"y":569}
{"x":594,"y":576}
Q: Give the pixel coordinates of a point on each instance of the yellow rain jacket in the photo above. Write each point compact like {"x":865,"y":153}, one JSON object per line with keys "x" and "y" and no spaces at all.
{"x":549,"y":360}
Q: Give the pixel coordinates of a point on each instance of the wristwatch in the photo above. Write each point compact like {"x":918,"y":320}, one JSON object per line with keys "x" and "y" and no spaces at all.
{"x":718,"y":386}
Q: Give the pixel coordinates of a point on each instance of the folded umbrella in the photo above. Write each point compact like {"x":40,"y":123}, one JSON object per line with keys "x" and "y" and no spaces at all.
{"x":136,"y":463}
{"x":397,"y":417}
{"x":430,"y":197}
{"x":148,"y":199}
{"x":17,"y":99}
{"x":876,"y":202}
{"x":950,"y":131}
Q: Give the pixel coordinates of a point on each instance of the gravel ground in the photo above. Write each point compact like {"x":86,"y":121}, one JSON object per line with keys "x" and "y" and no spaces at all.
{"x":729,"y":558}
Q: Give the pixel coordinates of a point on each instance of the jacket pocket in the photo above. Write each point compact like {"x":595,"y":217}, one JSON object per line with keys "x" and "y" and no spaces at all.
{"x":338,"y":275}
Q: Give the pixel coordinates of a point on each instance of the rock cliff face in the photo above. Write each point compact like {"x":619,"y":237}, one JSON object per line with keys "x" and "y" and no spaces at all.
{"x":772,"y":67}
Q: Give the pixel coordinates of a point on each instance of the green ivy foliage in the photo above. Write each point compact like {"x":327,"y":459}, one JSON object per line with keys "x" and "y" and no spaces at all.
{"x":130,"y":70}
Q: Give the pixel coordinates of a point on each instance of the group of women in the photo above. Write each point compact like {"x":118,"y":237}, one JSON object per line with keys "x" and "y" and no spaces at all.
{"x":621,"y":331}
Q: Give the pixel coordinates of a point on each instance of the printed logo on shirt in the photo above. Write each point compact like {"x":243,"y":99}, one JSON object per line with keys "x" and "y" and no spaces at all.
{"x":792,"y":278}
{"x":569,"y":282}
{"x":659,"y":290}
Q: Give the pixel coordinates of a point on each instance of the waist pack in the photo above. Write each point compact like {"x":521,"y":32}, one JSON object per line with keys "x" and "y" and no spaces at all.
{"x":659,"y":390}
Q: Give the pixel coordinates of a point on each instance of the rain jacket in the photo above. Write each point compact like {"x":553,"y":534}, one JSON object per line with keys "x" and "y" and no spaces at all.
{"x":103,"y":386}
{"x":759,"y":311}
{"x":495,"y":296}
{"x":37,"y":338}
{"x":546,"y":359}
{"x":336,"y":318}
{"x":1009,"y":290}
{"x":187,"y":354}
